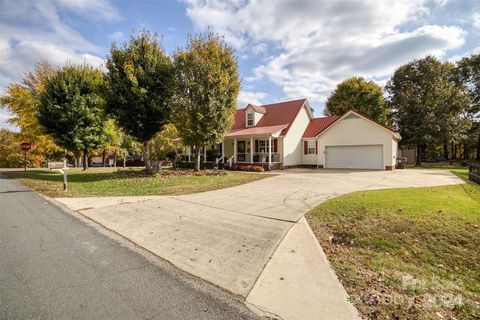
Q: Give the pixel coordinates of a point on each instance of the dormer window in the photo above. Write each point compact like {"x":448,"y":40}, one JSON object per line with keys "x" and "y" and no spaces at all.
{"x":250,"y":119}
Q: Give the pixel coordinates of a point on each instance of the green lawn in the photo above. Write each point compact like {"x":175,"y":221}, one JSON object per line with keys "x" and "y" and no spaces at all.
{"x":406,"y":253}
{"x":109,"y":182}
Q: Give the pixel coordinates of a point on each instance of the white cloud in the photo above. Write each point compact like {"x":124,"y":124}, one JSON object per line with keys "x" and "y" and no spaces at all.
{"x":116,"y":36}
{"x":100,"y":10}
{"x":246,"y":97}
{"x":476,"y":20}
{"x":316,"y":44}
{"x":34,"y":31}
{"x":4,"y":117}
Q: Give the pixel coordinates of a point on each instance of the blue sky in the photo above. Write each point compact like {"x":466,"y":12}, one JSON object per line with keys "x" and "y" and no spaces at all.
{"x":286,"y":49}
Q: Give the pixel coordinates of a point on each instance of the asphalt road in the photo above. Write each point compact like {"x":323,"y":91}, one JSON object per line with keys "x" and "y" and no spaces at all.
{"x":58,"y":265}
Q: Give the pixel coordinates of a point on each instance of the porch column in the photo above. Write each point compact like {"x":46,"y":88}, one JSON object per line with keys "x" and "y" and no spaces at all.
{"x":205,"y":154}
{"x":269,"y":151}
{"x":235,"y":150}
{"x":189,"y":151}
{"x":223,"y":151}
{"x":251,"y":149}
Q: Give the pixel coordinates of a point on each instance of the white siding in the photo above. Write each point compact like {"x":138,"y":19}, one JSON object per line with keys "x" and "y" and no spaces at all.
{"x":293,"y":144}
{"x":256,"y":118}
{"x":395,"y":151}
{"x":358,"y":131}
{"x":310,"y":159}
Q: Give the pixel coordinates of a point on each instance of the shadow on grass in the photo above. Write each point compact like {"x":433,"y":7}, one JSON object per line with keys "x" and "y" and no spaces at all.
{"x":73,"y":177}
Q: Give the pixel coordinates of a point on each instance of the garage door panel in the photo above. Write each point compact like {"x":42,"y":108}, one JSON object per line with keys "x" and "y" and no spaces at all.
{"x":354,"y":157}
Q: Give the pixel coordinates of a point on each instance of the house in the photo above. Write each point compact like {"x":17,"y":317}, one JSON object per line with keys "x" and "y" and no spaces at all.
{"x":286,"y":134}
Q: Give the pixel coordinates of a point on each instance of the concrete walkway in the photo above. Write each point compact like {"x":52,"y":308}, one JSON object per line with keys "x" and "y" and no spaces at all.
{"x":251,"y":239}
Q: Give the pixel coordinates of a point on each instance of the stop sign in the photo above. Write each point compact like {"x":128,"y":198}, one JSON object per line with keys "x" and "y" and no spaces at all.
{"x":25,"y":146}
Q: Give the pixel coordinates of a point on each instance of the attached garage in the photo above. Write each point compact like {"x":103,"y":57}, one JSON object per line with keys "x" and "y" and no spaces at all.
{"x":351,"y":141}
{"x":354,"y":157}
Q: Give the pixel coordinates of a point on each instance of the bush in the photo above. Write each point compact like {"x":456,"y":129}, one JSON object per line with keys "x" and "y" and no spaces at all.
{"x":247,"y":167}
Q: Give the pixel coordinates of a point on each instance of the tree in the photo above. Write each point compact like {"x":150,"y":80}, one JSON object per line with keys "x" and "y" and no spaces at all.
{"x":163,"y":144}
{"x":22,"y":100}
{"x":72,"y":109}
{"x":361,"y":95}
{"x":114,"y":139}
{"x":468,"y":70}
{"x":10,"y":154}
{"x":207,"y":86}
{"x":428,"y":103}
{"x":139,"y":87}
{"x":129,"y":146}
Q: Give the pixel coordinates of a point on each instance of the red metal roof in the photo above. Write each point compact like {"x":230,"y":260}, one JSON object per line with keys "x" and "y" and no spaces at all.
{"x":255,"y":131}
{"x":282,"y":113}
{"x":317,"y":125}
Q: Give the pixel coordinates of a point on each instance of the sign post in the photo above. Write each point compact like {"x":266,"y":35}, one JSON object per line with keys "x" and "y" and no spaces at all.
{"x":25,"y":146}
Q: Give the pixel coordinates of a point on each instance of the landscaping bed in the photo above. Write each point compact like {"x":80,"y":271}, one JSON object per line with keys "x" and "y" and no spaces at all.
{"x":409,"y":253}
{"x":112,"y":182}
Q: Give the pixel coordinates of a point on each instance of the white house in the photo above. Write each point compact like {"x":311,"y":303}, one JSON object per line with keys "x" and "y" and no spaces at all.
{"x":287,"y":135}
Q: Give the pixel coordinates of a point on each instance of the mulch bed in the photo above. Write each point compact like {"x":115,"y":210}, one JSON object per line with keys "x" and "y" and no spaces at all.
{"x":174,"y":173}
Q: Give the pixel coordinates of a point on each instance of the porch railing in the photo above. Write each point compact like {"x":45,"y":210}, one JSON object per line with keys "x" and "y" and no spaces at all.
{"x":258,"y":157}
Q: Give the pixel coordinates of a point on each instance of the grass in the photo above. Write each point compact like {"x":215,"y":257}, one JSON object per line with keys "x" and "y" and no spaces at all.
{"x":110,"y":182}
{"x":409,"y":253}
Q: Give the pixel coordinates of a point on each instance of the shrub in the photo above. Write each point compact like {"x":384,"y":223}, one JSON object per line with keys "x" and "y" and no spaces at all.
{"x":245,"y":167}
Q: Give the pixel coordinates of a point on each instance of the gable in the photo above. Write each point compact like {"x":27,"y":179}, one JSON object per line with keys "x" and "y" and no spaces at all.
{"x":356,"y":116}
{"x":355,"y":123}
{"x":276,"y":114}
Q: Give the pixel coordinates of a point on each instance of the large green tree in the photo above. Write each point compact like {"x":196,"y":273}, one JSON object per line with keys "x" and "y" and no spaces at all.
{"x":361,"y":95}
{"x":139,"y":87}
{"x":428,"y":103}
{"x":207,"y":86}
{"x":22,"y":100}
{"x":71,"y":109}
{"x":468,"y":70}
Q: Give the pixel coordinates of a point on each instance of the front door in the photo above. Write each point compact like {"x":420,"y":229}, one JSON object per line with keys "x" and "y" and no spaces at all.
{"x":241,"y":151}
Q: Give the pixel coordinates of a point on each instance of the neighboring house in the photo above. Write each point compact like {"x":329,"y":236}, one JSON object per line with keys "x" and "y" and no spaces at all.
{"x":287,"y":135}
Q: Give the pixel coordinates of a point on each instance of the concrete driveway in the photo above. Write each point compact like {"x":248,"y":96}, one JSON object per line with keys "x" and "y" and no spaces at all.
{"x":228,"y":236}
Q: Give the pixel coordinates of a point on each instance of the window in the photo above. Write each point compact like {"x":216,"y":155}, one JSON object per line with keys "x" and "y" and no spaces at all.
{"x":263,"y":146}
{"x":312,"y":146}
{"x":250,"y":119}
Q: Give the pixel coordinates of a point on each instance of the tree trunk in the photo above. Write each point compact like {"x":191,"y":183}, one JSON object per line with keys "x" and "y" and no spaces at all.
{"x":454,"y":151}
{"x":124,"y":162}
{"x":85,"y":159}
{"x":445,"y":149}
{"x":115,"y":159}
{"x":146,"y":157}
{"x":418,"y":161}
{"x":103,"y":157}
{"x":197,"y":158}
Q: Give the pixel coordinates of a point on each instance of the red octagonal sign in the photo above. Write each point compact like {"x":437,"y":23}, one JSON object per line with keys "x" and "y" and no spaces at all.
{"x":25,"y":146}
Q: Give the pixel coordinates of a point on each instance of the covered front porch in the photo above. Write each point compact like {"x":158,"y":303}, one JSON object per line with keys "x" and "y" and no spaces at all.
{"x":260,"y":146}
{"x":241,"y":150}
{"x":252,"y":150}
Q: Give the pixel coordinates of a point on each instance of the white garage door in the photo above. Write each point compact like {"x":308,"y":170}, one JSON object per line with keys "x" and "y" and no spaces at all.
{"x":354,"y":157}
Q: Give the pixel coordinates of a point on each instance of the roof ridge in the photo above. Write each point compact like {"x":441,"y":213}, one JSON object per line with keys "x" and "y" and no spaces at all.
{"x":324,"y":117}
{"x":288,"y":101}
